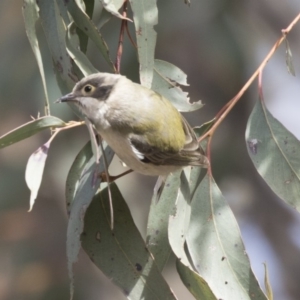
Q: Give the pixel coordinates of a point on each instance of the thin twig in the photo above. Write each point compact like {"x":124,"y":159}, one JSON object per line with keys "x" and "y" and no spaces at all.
{"x":130,"y":37}
{"x":121,"y":38}
{"x":69,"y":126}
{"x":228,"y":107}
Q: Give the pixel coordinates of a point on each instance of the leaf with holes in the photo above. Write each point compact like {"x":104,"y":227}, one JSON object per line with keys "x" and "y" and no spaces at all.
{"x":275,"y":154}
{"x":145,"y":16}
{"x":167,"y":80}
{"x":121,"y":254}
{"x":216,"y":248}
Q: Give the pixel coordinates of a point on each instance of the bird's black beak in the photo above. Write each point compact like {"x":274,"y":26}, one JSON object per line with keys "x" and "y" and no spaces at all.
{"x":67,"y":98}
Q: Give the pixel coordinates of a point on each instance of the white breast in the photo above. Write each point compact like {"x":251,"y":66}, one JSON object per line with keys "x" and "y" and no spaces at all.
{"x":123,"y":150}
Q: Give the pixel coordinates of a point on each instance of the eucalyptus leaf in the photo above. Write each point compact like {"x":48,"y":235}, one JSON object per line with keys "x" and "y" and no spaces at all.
{"x":216,"y":247}
{"x":28,"y":129}
{"x":63,"y":12}
{"x":268,"y":286}
{"x":145,"y":16}
{"x":83,"y":38}
{"x":167,"y":79}
{"x":177,"y":232}
{"x":81,"y":60}
{"x":113,"y":6}
{"x":178,"y":227}
{"x":104,"y":18}
{"x":195,"y":284}
{"x":55,"y":32}
{"x":83,"y":21}
{"x":275,"y":154}
{"x":84,"y":155}
{"x":158,"y":218}
{"x":31,"y":16}
{"x":121,"y":254}
{"x":34,"y":171}
{"x":85,"y":188}
{"x":201,"y":130}
{"x":289,"y":58}
{"x":89,"y":7}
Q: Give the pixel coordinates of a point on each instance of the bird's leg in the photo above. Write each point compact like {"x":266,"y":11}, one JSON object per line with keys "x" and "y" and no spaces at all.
{"x":104,"y":178}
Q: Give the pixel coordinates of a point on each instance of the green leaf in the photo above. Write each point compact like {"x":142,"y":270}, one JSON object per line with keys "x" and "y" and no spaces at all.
{"x":201,"y":130}
{"x":81,"y":60}
{"x":268,"y":284}
{"x":145,"y":16}
{"x":31,"y":16}
{"x":55,"y":32}
{"x":75,"y":172}
{"x":289,"y":58}
{"x":121,"y":254}
{"x":104,"y":18}
{"x":113,"y":6}
{"x":216,"y":247}
{"x":28,"y":129}
{"x":167,"y":79}
{"x":178,"y":226}
{"x":158,"y":218}
{"x":84,"y":190}
{"x":177,"y":232}
{"x":83,"y":21}
{"x":83,"y":38}
{"x":195,"y":284}
{"x":35,"y":169}
{"x":89,"y":7}
{"x":275,"y":154}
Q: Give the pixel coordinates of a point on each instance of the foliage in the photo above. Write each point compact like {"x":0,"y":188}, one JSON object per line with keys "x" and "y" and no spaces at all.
{"x":192,"y":218}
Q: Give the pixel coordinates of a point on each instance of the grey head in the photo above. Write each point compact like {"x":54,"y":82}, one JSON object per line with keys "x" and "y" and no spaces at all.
{"x":97,"y":86}
{"x":90,"y":93}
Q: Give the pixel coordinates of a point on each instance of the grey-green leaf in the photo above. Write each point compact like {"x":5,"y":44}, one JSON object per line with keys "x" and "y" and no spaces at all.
{"x":145,"y":16}
{"x":31,"y":16}
{"x":81,"y":60}
{"x":275,"y":154}
{"x":28,"y":129}
{"x":177,"y":232}
{"x":84,"y":190}
{"x":167,"y":79}
{"x":55,"y":32}
{"x":34,"y":171}
{"x":289,"y":58}
{"x":83,"y":21}
{"x":195,"y":283}
{"x":113,"y":6}
{"x":178,"y":227}
{"x":75,"y":172}
{"x":158,"y":219}
{"x":122,"y":254}
{"x":268,"y":286}
{"x":216,"y":247}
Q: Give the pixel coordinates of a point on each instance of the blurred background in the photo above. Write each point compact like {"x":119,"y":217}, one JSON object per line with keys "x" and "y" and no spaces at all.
{"x":218,"y":44}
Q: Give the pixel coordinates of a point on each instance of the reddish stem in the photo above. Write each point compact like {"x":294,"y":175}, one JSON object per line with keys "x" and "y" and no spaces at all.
{"x":229,"y":105}
{"x":121,"y":38}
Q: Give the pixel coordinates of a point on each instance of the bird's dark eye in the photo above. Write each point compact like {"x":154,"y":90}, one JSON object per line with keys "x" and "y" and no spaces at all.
{"x":88,"y":88}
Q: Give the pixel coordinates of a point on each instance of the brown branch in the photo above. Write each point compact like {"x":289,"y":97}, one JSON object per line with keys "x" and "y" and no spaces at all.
{"x":228,"y":107}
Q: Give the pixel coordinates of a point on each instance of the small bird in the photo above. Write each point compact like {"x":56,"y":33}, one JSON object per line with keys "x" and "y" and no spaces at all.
{"x":142,"y":127}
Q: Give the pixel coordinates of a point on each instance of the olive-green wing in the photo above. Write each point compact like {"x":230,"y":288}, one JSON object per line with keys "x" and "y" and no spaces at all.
{"x":191,"y":153}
